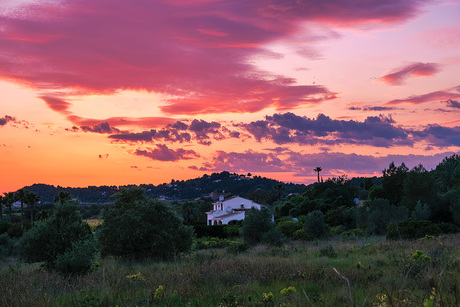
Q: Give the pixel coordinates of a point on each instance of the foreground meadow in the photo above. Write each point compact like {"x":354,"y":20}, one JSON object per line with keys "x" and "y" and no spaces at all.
{"x":361,"y":272}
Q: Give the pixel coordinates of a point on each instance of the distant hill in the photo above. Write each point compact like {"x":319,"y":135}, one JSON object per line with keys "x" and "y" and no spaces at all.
{"x":254,"y":187}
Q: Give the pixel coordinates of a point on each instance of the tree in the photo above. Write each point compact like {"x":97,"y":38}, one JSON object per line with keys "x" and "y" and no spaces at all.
{"x":418,"y":185}
{"x":63,"y":241}
{"x":421,"y":211}
{"x":447,"y":173}
{"x":318,"y":169}
{"x":279,"y":187}
{"x":31,"y":199}
{"x":138,"y":227}
{"x":2,"y":201}
{"x":190,"y":212}
{"x":9,"y":200}
{"x":258,"y":225}
{"x":21,"y":196}
{"x":315,"y":226}
{"x":381,"y":213}
{"x":392,"y":182}
{"x":63,"y":197}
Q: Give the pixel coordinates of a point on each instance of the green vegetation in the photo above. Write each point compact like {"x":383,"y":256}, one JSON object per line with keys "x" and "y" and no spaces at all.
{"x":389,"y":241}
{"x":137,"y":227}
{"x":379,"y":272}
{"x":63,"y":242}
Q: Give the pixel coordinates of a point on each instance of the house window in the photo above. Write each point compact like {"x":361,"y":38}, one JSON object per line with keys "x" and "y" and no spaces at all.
{"x":209,"y":222}
{"x":242,"y":206}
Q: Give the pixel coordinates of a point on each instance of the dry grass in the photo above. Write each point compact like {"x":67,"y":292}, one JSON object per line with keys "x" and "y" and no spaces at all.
{"x":373,"y":266}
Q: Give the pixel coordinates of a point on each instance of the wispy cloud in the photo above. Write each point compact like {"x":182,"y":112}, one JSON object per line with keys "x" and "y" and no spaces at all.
{"x":441,"y":95}
{"x":398,"y":76}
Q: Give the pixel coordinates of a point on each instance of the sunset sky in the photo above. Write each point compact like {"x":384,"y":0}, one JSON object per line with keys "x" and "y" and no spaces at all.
{"x":116,"y":92}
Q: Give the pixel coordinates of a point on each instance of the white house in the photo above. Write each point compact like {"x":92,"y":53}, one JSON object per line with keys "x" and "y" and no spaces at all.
{"x":232,"y":209}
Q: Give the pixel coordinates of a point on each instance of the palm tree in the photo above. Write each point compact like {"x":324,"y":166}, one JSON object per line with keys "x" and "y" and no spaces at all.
{"x":9,"y":200}
{"x":2,"y":201}
{"x":21,"y":196}
{"x":279,"y":187}
{"x":62,"y":197}
{"x":31,"y":199}
{"x":318,"y":169}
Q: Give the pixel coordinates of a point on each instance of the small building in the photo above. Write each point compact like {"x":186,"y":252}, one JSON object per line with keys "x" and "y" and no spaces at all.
{"x":225,"y":211}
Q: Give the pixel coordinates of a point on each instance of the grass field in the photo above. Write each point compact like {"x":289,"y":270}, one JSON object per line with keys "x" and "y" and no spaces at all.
{"x":362,"y":272}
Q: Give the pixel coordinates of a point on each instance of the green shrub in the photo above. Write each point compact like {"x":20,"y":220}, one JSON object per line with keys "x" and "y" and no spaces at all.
{"x":16,"y":230}
{"x":62,"y":241}
{"x":256,"y":224}
{"x":210,"y":231}
{"x":382,"y":213}
{"x":4,"y":225}
{"x":288,"y":228}
{"x":412,"y":229}
{"x":77,"y":260}
{"x":273,"y":237}
{"x":328,"y":251}
{"x":315,"y":226}
{"x":138,"y":227}
{"x":353,"y":233}
{"x":4,"y":239}
{"x":232,"y":230}
{"x":213,"y":242}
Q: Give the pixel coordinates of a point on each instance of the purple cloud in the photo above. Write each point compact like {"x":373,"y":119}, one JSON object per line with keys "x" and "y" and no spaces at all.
{"x":100,"y":128}
{"x":290,"y":128}
{"x":163,"y":153}
{"x":6,"y":119}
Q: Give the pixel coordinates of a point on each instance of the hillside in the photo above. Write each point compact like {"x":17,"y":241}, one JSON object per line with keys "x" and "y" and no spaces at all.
{"x":254,"y":187}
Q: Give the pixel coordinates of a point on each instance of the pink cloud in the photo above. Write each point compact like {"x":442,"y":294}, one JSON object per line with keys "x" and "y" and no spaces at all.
{"x":145,"y":122}
{"x":398,"y":76}
{"x":57,"y":104}
{"x":442,"y":95}
{"x":197,"y":52}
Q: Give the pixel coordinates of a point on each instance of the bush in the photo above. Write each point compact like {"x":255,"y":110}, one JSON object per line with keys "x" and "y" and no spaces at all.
{"x":4,"y":239}
{"x":16,"y":230}
{"x":288,"y":228}
{"x":382,"y":213}
{"x":256,"y":224}
{"x":232,"y":230}
{"x":217,"y":231}
{"x":138,"y":227}
{"x":412,"y":229}
{"x":4,"y":225}
{"x":77,"y":260}
{"x":315,"y":226}
{"x":58,"y":241}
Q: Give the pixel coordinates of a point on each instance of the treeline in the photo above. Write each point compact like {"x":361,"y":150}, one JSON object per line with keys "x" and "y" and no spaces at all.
{"x":245,"y":185}
{"x":406,"y":204}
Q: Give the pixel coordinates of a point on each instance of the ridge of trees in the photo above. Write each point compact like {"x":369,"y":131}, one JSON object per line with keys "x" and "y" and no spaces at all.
{"x":245,"y":185}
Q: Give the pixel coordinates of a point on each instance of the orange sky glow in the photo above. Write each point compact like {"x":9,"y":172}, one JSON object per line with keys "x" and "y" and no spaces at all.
{"x":98,"y":92}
